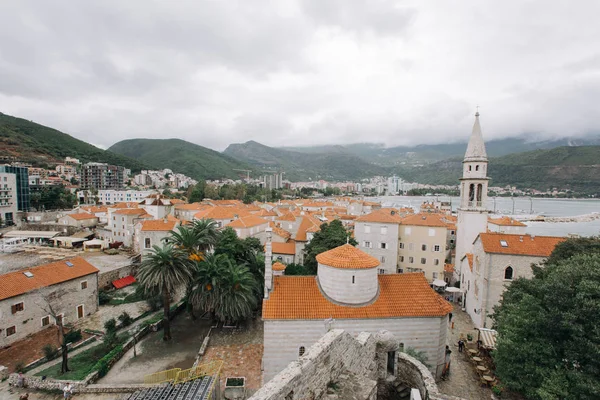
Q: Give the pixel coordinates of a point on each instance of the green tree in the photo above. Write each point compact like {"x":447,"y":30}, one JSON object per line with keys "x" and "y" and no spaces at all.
{"x":238,"y":290}
{"x":196,"y":193}
{"x":296,"y":269}
{"x":164,"y":270}
{"x":329,"y":237}
{"x":548,"y":344}
{"x":575,"y":246}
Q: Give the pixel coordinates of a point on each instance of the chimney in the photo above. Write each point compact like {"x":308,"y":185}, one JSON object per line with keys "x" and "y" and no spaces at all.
{"x":268,"y":263}
{"x":520,"y":238}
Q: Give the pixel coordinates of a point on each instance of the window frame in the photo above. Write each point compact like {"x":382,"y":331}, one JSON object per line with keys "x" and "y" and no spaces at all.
{"x":15,"y":307}
{"x":14,"y":327}
{"x":512,"y":273}
{"x":84,"y":283}
{"x":42,"y":320}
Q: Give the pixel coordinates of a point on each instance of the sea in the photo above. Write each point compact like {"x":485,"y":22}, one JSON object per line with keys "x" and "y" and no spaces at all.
{"x":523,"y":207}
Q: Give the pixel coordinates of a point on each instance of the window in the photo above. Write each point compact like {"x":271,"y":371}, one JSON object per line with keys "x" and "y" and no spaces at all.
{"x":381,"y":271}
{"x":401,"y":258}
{"x":367,"y":229}
{"x":384,"y":230}
{"x":411,"y":260}
{"x":301,"y":351}
{"x":17,"y":307}
{"x":11,"y":330}
{"x":367,"y":245}
{"x":436,"y":247}
{"x":435,"y":275}
{"x":469,"y":167}
{"x":382,"y":259}
{"x":46,"y":320}
{"x":452,"y":232}
{"x":411,"y":246}
{"x":508,"y":273}
{"x":353,"y":279}
{"x":423,"y":247}
{"x":401,"y":245}
{"x":122,"y":219}
{"x":423,"y":260}
{"x":477,"y":168}
{"x":503,"y":243}
{"x":407,"y":231}
{"x":83,"y":285}
{"x":80,"y":311}
{"x":147,"y":243}
{"x":436,"y":261}
{"x":383,"y":246}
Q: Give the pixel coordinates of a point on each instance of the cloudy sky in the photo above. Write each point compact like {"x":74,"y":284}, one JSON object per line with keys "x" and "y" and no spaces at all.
{"x":302,"y":72}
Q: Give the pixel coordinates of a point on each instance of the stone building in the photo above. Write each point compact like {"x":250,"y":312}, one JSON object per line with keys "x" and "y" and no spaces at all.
{"x":348,"y":293}
{"x":151,"y":233}
{"x":79,"y":220}
{"x":497,"y":259}
{"x":122,"y":224}
{"x":378,"y":234}
{"x":70,"y":287}
{"x":248,"y":226}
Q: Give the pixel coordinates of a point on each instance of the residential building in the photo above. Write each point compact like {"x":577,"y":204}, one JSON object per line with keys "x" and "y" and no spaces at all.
{"x":348,"y":293}
{"x":101,"y":176}
{"x":79,"y":220}
{"x":273,"y":181}
{"x":423,"y":247}
{"x":498,"y":259}
{"x":8,"y":198}
{"x":22,"y":184}
{"x":151,"y":233}
{"x":248,"y":226}
{"x":123,"y":223}
{"x":378,"y":234}
{"x":69,"y":286}
{"x":284,"y":252}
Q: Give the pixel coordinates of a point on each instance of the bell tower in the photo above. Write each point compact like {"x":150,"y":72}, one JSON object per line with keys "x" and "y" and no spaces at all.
{"x":472,"y":213}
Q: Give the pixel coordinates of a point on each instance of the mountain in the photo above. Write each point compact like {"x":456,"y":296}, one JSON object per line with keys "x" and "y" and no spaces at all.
{"x":180,"y":156}
{"x":39,"y":145}
{"x":573,"y":167}
{"x":426,"y":153}
{"x":302,"y":166}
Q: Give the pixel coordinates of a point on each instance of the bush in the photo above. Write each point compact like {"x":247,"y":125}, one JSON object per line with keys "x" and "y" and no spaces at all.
{"x":50,"y":351}
{"x":419,"y":355}
{"x":125,"y":319}
{"x":20,"y":366}
{"x":110,"y":326}
{"x":110,"y":339}
{"x":102,"y":364}
{"x":103,"y":297}
{"x":73,"y":336}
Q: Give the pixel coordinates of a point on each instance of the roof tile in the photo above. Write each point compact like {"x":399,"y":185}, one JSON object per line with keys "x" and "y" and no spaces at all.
{"x":538,"y":246}
{"x":347,"y":257}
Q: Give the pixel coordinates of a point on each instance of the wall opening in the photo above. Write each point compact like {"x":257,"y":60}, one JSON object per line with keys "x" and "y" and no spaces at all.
{"x":479,"y":192}
{"x":508,"y":273}
{"x":391,"y":362}
{"x":472,"y":192}
{"x":301,"y":351}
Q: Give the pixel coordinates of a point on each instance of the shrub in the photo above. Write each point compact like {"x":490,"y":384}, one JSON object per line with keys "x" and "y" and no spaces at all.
{"x":125,"y":319}
{"x":102,"y":364}
{"x":419,"y":355}
{"x":110,"y":340}
{"x":20,"y":366}
{"x":110,"y":325}
{"x":103,"y":297}
{"x":73,"y":336}
{"x":50,"y":351}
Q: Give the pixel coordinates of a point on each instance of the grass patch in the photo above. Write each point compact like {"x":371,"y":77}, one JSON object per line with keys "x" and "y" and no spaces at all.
{"x":115,"y":299}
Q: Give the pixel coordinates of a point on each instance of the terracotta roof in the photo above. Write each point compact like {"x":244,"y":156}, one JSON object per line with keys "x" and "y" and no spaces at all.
{"x":130,"y":204}
{"x":16,"y":283}
{"x":81,"y":216}
{"x":347,"y":257}
{"x":94,"y":209}
{"x":158,"y":225}
{"x":279,"y":231}
{"x":176,"y":201}
{"x":308,"y":223}
{"x":288,"y":216}
{"x":278,"y":267}
{"x":538,"y":246}
{"x":425,"y":219}
{"x":382,"y":215}
{"x":221,"y":213}
{"x":400,"y":295}
{"x":470,"y":260}
{"x":191,"y":206}
{"x":266,"y":213}
{"x":247,"y":222}
{"x":284,"y":248}
{"x":506,"y":221}
{"x":130,"y":211}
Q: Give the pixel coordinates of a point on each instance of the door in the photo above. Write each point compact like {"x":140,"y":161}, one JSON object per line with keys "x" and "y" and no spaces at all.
{"x":80,"y":311}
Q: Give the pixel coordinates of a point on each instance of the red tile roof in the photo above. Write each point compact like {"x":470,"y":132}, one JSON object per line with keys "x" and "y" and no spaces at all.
{"x":278,"y":266}
{"x":158,"y":225}
{"x":425,"y":219}
{"x":248,"y":222}
{"x":506,"y":221}
{"x":382,"y":215}
{"x":400,"y":295}
{"x":538,"y":246}
{"x":16,"y":283}
{"x":307,"y":224}
{"x":279,"y":231}
{"x":347,"y":257}
{"x":81,"y":216}
{"x":130,"y":211}
{"x":121,"y":283}
{"x":284,"y":248}
{"x":221,"y":213}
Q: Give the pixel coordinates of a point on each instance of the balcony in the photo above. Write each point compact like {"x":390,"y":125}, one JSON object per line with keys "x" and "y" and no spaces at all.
{"x":475,"y":204}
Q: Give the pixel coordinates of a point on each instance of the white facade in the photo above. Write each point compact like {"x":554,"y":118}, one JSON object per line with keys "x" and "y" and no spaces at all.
{"x":8,"y":197}
{"x":423,"y":249}
{"x":381,"y":241}
{"x":350,"y":286}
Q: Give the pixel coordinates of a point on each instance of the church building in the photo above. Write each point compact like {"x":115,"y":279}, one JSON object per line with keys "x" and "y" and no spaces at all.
{"x":349,"y":294}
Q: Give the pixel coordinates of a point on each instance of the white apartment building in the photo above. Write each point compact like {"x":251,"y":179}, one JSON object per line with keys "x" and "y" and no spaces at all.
{"x":423,"y":246}
{"x":8,"y":197}
{"x":114,"y":196}
{"x":378,"y":235}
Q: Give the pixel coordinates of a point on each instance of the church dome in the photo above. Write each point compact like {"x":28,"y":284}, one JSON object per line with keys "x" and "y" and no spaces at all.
{"x":348,"y":275}
{"x":347,"y":257}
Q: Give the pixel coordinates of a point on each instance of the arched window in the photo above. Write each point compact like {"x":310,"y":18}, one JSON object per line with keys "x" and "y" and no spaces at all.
{"x":477,"y":168}
{"x":479,"y":191}
{"x":471,"y":192}
{"x":508,"y":273}
{"x":469,"y":168}
{"x":301,"y":351}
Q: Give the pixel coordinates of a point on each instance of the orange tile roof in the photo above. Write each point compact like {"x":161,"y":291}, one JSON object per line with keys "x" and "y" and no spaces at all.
{"x":470,"y":260}
{"x":284,"y":248}
{"x":176,"y":201}
{"x":347,"y":257}
{"x":307,"y":224}
{"x":266,"y":213}
{"x":221,"y":213}
{"x":382,"y":215}
{"x":288,"y":216}
{"x":16,"y":283}
{"x":279,"y":231}
{"x":130,"y":211}
{"x":81,"y":216}
{"x":278,"y":266}
{"x":538,"y":246}
{"x":506,"y":221}
{"x":158,"y":225}
{"x":247,"y":222}
{"x":94,"y":209}
{"x":425,"y":219}
{"x":400,"y":295}
{"x":131,"y":204}
{"x":191,"y":206}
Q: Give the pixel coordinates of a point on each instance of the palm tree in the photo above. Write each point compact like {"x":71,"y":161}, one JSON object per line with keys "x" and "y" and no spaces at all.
{"x":184,"y":238}
{"x":196,"y":239}
{"x":237,"y":292}
{"x":164,"y":270}
{"x":203,"y":293}
{"x":207,"y":233}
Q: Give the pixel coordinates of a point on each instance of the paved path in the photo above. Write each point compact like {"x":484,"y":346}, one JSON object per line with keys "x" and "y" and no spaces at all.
{"x":463,"y":380}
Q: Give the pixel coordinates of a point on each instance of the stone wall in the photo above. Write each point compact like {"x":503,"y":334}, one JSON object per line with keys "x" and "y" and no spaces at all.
{"x":105,"y":279}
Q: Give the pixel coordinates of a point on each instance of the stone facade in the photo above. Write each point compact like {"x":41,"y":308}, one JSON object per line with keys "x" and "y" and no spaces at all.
{"x":66,"y":298}
{"x":381,"y":241}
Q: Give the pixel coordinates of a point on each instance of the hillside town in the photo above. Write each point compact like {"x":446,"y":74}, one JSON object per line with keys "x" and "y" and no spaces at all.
{"x":289,"y":299}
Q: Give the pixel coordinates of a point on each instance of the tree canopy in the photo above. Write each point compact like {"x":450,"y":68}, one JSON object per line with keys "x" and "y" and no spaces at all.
{"x":548,"y":344}
{"x":329,"y":237}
